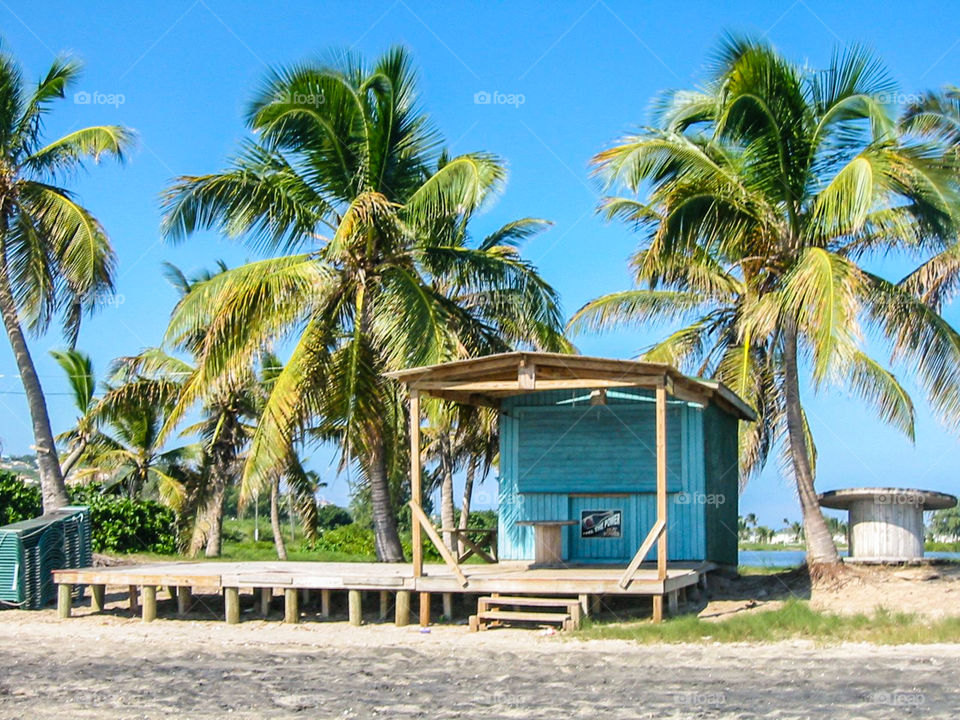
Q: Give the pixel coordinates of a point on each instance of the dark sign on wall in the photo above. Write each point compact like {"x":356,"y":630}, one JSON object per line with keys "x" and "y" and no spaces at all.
{"x":600,"y":524}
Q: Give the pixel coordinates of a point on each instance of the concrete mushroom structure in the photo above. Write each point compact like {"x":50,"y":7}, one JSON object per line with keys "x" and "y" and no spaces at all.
{"x":886,"y":524}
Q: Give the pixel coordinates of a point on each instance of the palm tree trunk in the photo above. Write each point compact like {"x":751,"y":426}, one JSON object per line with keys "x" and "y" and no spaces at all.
{"x":385,"y":535}
{"x":447,"y":511}
{"x":275,"y":519}
{"x":213,"y":517}
{"x":467,"y":496}
{"x":67,"y":465}
{"x":821,"y":549}
{"x":53,"y":488}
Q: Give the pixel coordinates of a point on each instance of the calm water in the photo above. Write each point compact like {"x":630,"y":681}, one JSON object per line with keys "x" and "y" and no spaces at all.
{"x":790,"y":558}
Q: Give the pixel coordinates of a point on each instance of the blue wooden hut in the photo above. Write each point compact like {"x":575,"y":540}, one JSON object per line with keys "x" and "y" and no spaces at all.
{"x":602,"y":461}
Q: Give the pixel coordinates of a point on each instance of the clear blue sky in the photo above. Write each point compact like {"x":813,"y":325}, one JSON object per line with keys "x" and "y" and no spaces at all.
{"x":586,"y":72}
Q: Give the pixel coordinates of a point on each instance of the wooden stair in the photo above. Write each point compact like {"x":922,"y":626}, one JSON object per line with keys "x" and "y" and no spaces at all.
{"x":564,"y":612}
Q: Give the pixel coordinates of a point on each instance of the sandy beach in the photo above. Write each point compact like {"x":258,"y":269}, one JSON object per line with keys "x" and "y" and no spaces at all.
{"x":117,"y":667}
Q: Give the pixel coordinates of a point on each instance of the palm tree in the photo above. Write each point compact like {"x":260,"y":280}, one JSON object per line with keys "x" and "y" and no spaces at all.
{"x":79,"y":371}
{"x":229,"y":412}
{"x":55,"y":258}
{"x":767,"y":189}
{"x":129,"y":448}
{"x":345,"y":174}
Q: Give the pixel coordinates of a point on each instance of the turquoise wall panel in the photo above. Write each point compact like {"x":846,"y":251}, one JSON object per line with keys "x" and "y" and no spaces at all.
{"x":522,"y":500}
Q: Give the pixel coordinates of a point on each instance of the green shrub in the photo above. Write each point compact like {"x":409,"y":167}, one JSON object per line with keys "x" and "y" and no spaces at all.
{"x":332,"y":516}
{"x":18,"y":501}
{"x":122,"y":525}
{"x":353,"y":539}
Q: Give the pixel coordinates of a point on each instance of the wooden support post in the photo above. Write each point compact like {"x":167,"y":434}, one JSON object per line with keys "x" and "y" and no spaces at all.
{"x":266,"y":597}
{"x":231,"y":605}
{"x":134,"y":605}
{"x":291,"y":606}
{"x":658,"y":608}
{"x":424,"y":609}
{"x":149,"y":611}
{"x":402,"y":608}
{"x":662,"y":478}
{"x":64,"y":600}
{"x":672,"y":602}
{"x":448,"y":606}
{"x":416,"y":494}
{"x":184,"y":600}
{"x":355,"y":607}
{"x":584,"y":604}
{"x":384,"y":604}
{"x":97,"y":597}
{"x":325,"y":603}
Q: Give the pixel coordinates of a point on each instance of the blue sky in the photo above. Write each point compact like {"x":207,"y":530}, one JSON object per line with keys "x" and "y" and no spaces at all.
{"x":567,"y":78}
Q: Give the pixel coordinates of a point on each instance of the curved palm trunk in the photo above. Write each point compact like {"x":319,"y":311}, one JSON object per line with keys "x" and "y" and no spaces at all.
{"x":53,"y":488}
{"x":385,"y":535}
{"x":447,"y":511}
{"x":467,"y":496}
{"x":821,"y":549}
{"x":275,"y":519}
{"x":67,"y":465}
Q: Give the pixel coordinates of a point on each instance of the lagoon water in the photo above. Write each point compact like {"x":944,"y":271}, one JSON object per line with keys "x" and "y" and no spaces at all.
{"x":792,"y":558}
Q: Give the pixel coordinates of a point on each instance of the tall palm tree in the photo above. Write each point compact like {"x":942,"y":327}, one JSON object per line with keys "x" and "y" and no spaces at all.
{"x":766,"y":190}
{"x":55,"y":258}
{"x":346,"y":175}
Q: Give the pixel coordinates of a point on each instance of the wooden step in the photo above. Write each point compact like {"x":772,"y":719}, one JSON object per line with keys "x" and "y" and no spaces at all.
{"x":518,"y":616}
{"x":530,"y":601}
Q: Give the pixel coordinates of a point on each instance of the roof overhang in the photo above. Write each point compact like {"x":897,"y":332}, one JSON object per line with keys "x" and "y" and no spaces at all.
{"x":486,"y":380}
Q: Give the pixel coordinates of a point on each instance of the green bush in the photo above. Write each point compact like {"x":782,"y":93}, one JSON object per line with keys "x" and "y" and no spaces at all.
{"x":354,"y":539}
{"x":122,"y":525}
{"x":332,"y":516}
{"x":18,"y":501}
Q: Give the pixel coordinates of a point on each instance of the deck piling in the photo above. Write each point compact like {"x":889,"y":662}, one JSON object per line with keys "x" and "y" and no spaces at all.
{"x":424,"y":609}
{"x":402,"y":609}
{"x":291,"y":606}
{"x":149,"y":610}
{"x":266,"y":597}
{"x":231,"y":605}
{"x":325,"y":603}
{"x":97,"y":596}
{"x":184,"y":600}
{"x":355,"y":607}
{"x":64,"y":600}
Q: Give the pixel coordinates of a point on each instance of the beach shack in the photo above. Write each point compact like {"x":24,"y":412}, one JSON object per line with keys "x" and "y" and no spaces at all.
{"x":603,"y":462}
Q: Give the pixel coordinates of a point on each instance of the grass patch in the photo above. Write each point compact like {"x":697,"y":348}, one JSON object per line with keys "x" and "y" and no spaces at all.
{"x":795,"y":620}
{"x":765,"y":569}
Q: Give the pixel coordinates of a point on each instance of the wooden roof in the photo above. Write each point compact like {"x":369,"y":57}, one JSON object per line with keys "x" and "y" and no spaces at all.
{"x":484,"y":380}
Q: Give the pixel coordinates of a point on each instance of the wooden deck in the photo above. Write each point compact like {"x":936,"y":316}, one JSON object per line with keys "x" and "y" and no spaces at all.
{"x":291,"y":577}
